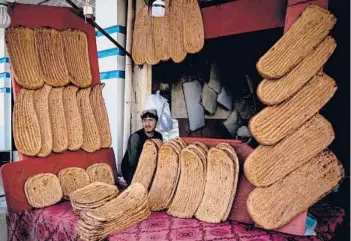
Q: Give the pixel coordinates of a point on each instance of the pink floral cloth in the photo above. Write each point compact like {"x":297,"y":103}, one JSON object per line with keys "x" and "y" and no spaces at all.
{"x":58,"y":223}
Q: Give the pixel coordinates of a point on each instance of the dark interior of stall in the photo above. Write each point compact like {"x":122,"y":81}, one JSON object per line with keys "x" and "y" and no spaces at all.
{"x":237,"y":56}
{"x":337,"y":111}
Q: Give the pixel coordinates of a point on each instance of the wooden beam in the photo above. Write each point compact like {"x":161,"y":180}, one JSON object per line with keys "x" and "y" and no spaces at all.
{"x":243,"y":16}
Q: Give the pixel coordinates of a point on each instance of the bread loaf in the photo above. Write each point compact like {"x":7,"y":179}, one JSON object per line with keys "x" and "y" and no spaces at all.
{"x":43,"y":190}
{"x":275,"y":206}
{"x":26,"y":129}
{"x":307,"y":32}
{"x":269,"y":164}
{"x":273,"y":92}
{"x":274,"y":123}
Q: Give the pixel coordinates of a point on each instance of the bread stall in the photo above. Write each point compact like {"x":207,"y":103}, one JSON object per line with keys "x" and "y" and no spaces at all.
{"x":66,"y":187}
{"x":172,"y":203}
{"x":195,"y":97}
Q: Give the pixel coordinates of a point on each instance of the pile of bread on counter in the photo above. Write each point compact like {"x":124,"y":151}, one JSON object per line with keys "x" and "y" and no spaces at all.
{"x":47,"y":189}
{"x":94,"y":197}
{"x":50,"y":114}
{"x":189,"y":180}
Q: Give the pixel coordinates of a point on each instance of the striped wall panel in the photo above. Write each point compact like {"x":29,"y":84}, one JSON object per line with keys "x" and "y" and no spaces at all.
{"x":5,"y":105}
{"x":111,"y":58}
{"x":110,"y":15}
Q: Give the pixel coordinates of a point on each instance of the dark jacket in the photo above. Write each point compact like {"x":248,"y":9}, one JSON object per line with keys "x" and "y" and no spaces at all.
{"x":131,"y":157}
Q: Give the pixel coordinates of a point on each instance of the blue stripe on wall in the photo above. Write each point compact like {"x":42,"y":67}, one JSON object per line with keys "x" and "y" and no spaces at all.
{"x":5,"y":90}
{"x":112,"y":29}
{"x":110,"y":52}
{"x":112,"y":75}
{"x":4,"y":60}
{"x":4,"y":75}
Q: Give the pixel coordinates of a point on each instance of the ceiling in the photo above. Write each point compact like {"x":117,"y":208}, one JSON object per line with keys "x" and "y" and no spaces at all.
{"x":57,"y":3}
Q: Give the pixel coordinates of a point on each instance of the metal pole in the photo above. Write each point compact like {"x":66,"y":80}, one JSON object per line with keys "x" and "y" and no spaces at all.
{"x":78,"y":11}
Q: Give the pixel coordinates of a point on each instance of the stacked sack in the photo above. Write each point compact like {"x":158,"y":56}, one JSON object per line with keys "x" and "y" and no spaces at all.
{"x":292,"y":169}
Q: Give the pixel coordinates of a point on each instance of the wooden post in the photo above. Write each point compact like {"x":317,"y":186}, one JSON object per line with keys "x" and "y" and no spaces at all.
{"x":142,"y":84}
{"x":128,"y":89}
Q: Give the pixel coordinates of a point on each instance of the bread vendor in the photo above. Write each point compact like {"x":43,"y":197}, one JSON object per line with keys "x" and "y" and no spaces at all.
{"x":136,"y":142}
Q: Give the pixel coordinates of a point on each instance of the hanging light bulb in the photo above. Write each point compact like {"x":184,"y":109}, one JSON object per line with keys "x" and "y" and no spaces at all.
{"x":158,"y":9}
{"x":88,"y":10}
{"x":5,"y":19}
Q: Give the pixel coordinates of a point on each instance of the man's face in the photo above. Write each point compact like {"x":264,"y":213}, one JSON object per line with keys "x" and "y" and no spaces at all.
{"x":149,"y":124}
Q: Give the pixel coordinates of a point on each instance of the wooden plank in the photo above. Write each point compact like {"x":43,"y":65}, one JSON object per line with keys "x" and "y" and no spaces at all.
{"x":178,"y":106}
{"x":141,"y":89}
{"x":243,"y":16}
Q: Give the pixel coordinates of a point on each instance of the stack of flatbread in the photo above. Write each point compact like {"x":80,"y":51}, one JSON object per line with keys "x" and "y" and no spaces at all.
{"x":292,"y":168}
{"x":129,"y":208}
{"x":179,"y":32}
{"x":71,"y":179}
{"x":147,"y":163}
{"x":50,"y":56}
{"x":221,"y":184}
{"x":213,"y":175}
{"x":167,"y":174}
{"x":56,"y":116}
{"x":187,"y":197}
{"x":47,"y":189}
{"x":92,"y":196}
{"x":60,"y":118}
